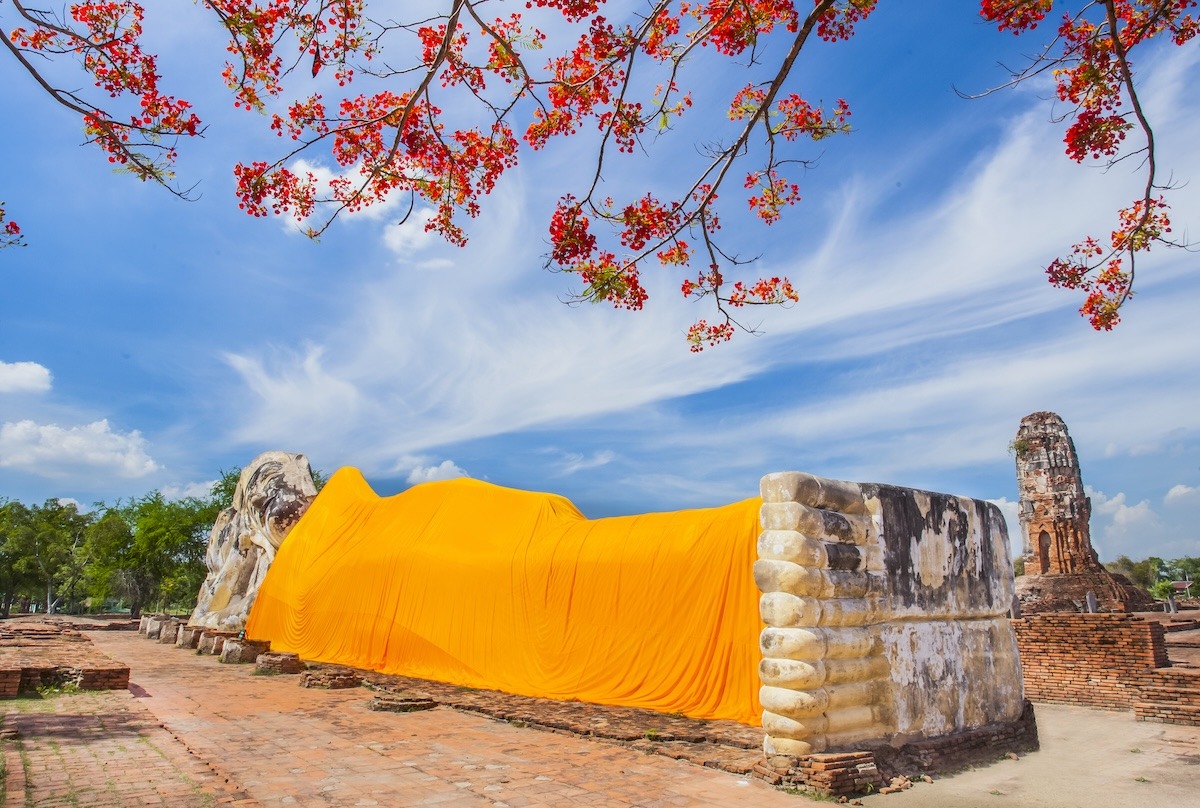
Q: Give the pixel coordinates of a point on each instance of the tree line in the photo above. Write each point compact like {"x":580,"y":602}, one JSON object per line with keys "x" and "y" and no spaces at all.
{"x":142,"y":553}
{"x":1157,"y":575}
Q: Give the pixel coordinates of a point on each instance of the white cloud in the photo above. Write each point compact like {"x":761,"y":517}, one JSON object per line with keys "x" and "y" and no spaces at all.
{"x":411,"y":236}
{"x":1012,"y":517}
{"x":49,"y":450}
{"x":1182,"y":495}
{"x":573,"y":461}
{"x":446,"y":470}
{"x":1119,"y":528}
{"x":295,"y":393}
{"x":322,"y":177}
{"x":24,"y":377}
{"x":186,"y":490}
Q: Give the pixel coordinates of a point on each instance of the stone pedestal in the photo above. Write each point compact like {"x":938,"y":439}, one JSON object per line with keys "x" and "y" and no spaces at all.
{"x":330,"y":679}
{"x":212,"y":641}
{"x":154,"y":625}
{"x":189,"y":636}
{"x":238,"y":650}
{"x":168,"y":631}
{"x":275,"y":662}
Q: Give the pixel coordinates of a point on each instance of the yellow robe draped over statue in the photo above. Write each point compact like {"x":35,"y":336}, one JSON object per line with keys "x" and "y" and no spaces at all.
{"x":466,"y":582}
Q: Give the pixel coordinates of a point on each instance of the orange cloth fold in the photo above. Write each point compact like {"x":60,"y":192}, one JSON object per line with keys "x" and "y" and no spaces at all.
{"x":466,"y":582}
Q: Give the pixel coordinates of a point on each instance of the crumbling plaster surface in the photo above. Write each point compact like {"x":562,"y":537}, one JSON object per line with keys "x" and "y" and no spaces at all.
{"x":886,"y":615}
{"x":272,"y":494}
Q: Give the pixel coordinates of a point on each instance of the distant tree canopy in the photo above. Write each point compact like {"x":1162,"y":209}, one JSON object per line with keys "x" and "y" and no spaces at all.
{"x":142,"y":553}
{"x":1155,"y":574}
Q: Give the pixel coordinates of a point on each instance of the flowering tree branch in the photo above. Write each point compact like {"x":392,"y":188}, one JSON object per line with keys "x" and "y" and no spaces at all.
{"x":513,"y":88}
{"x":1089,"y":59}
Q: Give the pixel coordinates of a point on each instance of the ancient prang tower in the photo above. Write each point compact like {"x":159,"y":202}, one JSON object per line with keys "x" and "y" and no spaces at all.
{"x":1061,"y":565}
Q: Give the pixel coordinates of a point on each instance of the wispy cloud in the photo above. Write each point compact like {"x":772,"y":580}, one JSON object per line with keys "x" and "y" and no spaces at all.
{"x":322,"y":178}
{"x":572,"y":462}
{"x":921,"y":340}
{"x":186,"y":490}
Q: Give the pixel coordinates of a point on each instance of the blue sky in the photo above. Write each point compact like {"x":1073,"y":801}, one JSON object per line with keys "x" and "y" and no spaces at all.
{"x":146,"y":343}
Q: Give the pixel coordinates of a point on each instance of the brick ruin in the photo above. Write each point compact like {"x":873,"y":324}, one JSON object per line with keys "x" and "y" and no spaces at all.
{"x":1108,"y":661}
{"x":48,"y":653}
{"x":1061,"y":566}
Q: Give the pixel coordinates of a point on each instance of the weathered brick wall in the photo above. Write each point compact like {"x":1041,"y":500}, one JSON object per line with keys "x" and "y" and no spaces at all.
{"x":1170,"y":697}
{"x":10,"y":683}
{"x":114,"y":678}
{"x":1095,"y":660}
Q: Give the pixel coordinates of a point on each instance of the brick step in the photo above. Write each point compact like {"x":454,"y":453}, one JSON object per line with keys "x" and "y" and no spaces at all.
{"x":1186,"y":714}
{"x":1184,"y":680}
{"x":1168,"y":694}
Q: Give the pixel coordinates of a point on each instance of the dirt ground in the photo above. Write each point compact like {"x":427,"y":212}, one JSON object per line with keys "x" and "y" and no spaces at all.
{"x":1089,"y":759}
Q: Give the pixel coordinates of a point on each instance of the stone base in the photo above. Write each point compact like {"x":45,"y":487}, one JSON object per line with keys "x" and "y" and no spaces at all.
{"x":829,"y":775}
{"x":168,"y":631}
{"x":963,"y":749}
{"x":330,"y":678}
{"x":273,"y":662}
{"x":841,"y":774}
{"x":1068,"y":593}
{"x":212,"y":641}
{"x":189,"y":636}
{"x":154,"y":625}
{"x":241,"y":650}
{"x":400,"y":704}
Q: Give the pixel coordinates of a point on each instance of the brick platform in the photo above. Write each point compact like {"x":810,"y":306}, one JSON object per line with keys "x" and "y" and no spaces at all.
{"x":47,"y":653}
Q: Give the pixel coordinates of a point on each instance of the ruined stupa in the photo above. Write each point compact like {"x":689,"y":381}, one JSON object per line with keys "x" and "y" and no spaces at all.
{"x":1061,"y":565}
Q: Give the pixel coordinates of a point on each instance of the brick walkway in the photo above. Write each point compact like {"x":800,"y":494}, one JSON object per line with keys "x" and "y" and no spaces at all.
{"x":100,"y":749}
{"x":193,"y":732}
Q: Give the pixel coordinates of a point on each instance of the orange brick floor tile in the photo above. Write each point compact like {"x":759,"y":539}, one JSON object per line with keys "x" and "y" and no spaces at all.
{"x":194,"y":732}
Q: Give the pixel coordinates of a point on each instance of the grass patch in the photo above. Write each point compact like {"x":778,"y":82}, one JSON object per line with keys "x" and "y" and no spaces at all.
{"x":65,"y":688}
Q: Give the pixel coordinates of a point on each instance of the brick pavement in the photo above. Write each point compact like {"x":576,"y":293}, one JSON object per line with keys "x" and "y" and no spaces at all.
{"x":101,"y":749}
{"x":227,"y":735}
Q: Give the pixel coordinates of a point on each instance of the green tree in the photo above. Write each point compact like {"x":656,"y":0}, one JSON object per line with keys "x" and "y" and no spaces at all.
{"x":150,"y":550}
{"x":1181,"y":569}
{"x":15,"y":579}
{"x":1145,"y":573}
{"x":46,"y":542}
{"x":223,"y":489}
